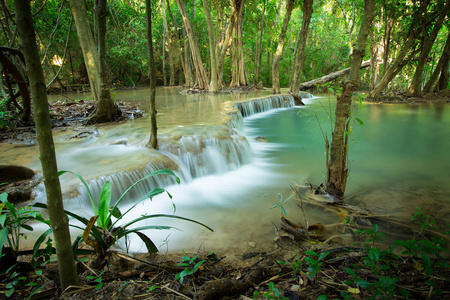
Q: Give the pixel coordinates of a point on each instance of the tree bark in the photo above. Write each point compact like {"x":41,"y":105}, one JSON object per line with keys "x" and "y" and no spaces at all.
{"x":337,"y":170}
{"x":440,"y":66}
{"x":153,"y":142}
{"x":277,"y":58}
{"x":58,"y":218}
{"x":259,"y":49}
{"x":397,"y":65}
{"x":238,"y":73}
{"x":300,"y":61}
{"x":177,"y":50}
{"x":415,"y":88}
{"x":213,"y":87}
{"x":202,"y":79}
{"x":105,"y":110}
{"x":223,"y":52}
{"x":330,"y":77}
{"x":169,"y":46}
{"x":88,"y":46}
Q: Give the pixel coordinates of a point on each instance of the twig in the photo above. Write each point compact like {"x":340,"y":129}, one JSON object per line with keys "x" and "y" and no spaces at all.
{"x":175,"y":292}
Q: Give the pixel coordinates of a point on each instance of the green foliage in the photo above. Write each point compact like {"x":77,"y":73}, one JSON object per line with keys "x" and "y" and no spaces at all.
{"x":191,"y":266}
{"x":373,"y":235}
{"x":282,"y":204}
{"x":13,"y":280}
{"x":12,"y":221}
{"x":274,"y":293}
{"x":97,"y":278}
{"x":314,"y":261}
{"x":106,"y":233}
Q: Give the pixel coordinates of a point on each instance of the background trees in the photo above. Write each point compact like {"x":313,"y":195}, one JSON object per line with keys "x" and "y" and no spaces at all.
{"x":250,"y":39}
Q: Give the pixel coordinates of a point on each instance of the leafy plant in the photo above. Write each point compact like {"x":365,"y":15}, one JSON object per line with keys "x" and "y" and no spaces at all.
{"x":12,"y":221}
{"x":274,"y":293}
{"x":97,"y":278}
{"x":373,"y":235}
{"x":103,"y":235}
{"x":314,"y":262}
{"x":13,"y":280}
{"x":282,"y":203}
{"x":191,"y":266}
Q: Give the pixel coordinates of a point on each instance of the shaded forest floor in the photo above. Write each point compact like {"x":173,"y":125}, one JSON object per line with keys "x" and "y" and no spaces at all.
{"x":363,"y":267}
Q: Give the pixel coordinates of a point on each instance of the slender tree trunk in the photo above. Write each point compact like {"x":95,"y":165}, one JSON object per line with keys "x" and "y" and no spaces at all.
{"x":300,"y":61}
{"x":105,"y":110}
{"x":441,"y":64}
{"x":58,"y":218}
{"x":397,"y":65}
{"x":88,"y":46}
{"x":202,"y":79}
{"x":163,"y":46}
{"x":337,"y":171}
{"x":279,"y":52}
{"x":213,"y":87}
{"x":223,"y":52}
{"x":153,"y":142}
{"x":177,"y":49}
{"x":445,"y":75}
{"x":169,"y":45}
{"x":259,"y":49}
{"x":238,"y":73}
{"x":187,"y":61}
{"x":415,"y":88}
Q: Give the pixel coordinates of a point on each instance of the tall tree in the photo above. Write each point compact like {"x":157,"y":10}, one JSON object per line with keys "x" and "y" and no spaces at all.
{"x":238,"y":73}
{"x":202,"y":79}
{"x":153,"y":142}
{"x":300,"y":60}
{"x":416,"y":83}
{"x":337,"y":171}
{"x":279,"y":52}
{"x":58,"y":218}
{"x":259,"y":47}
{"x":213,"y":87}
{"x":441,"y":66}
{"x":87,"y":44}
{"x":105,"y":110}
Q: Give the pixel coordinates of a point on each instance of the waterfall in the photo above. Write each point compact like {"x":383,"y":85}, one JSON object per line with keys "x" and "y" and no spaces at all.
{"x":191,"y":152}
{"x":254,"y":106}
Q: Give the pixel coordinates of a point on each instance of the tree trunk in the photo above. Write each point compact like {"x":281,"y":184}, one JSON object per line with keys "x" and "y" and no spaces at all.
{"x":187,"y":61}
{"x":445,"y":75}
{"x":88,"y":46}
{"x":153,"y":142}
{"x":440,"y":66}
{"x":169,"y":45}
{"x":223,"y":52}
{"x":300,"y":61}
{"x":105,"y":110}
{"x":213,"y":87}
{"x":58,"y":218}
{"x":397,"y":65}
{"x":238,"y":73}
{"x":163,"y":46}
{"x":177,"y":50}
{"x":279,"y":52}
{"x":202,"y":79}
{"x":415,"y":88}
{"x":337,"y":171}
{"x":259,"y":49}
{"x":330,"y":77}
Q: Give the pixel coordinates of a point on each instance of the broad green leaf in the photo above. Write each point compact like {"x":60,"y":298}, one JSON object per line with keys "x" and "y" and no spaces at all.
{"x":148,"y":242}
{"x":361,"y":123}
{"x":165,"y":216}
{"x":94,"y":207}
{"x":3,"y":238}
{"x":2,"y":220}
{"x":40,"y":240}
{"x":103,"y":205}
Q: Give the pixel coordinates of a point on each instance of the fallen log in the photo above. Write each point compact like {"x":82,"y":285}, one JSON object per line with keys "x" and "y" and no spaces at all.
{"x":330,"y":77}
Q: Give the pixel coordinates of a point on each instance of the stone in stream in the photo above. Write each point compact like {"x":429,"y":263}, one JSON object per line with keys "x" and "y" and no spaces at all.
{"x":18,"y":182}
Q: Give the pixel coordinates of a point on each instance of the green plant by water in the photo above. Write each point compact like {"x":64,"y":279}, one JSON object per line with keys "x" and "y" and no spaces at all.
{"x":191,"y":264}
{"x":101,"y":230}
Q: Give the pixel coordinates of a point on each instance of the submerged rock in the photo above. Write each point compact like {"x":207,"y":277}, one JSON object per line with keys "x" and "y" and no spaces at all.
{"x":18,"y":182}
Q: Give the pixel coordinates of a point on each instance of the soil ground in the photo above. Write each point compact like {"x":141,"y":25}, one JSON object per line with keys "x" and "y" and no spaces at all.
{"x":298,"y":269}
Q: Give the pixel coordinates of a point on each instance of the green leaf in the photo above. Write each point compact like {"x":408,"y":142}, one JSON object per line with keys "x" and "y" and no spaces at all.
{"x":40,"y":240}
{"x":363,"y":283}
{"x":103,"y":205}
{"x":350,"y":271}
{"x":361,"y":123}
{"x":2,"y":220}
{"x":151,"y":247}
{"x":3,"y":238}
{"x":94,"y":207}
{"x":9,"y":292}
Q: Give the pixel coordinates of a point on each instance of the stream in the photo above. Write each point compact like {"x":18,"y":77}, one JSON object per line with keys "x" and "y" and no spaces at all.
{"x":230,"y":181}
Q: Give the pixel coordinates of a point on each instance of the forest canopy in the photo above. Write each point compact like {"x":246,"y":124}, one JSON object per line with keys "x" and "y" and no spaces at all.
{"x":401,"y":31}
